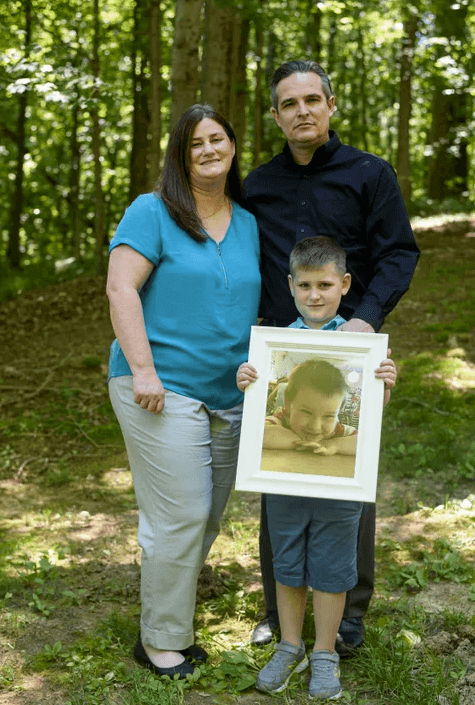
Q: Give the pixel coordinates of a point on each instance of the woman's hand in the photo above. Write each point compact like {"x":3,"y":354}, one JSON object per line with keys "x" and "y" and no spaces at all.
{"x":245,"y":375}
{"x":149,"y":393}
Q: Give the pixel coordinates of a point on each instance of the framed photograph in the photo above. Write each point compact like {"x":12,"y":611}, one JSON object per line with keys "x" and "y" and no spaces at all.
{"x":312,"y":421}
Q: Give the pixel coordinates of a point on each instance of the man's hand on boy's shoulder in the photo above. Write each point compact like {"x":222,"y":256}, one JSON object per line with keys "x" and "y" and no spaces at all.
{"x":356,"y":325}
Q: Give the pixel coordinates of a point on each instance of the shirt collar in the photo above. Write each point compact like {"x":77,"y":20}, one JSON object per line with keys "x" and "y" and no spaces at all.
{"x":331,"y":325}
{"x":321,"y":156}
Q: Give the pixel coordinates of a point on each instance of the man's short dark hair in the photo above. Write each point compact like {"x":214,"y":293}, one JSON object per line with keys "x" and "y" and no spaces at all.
{"x":317,"y":252}
{"x":300,"y":66}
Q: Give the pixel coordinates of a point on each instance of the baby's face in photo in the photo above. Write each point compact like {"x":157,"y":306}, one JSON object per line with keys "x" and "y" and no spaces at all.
{"x":313,"y":415}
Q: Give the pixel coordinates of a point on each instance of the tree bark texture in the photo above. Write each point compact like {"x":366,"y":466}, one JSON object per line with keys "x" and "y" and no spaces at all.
{"x":185,"y":56}
{"x":405,"y":105}
{"x":96,"y":150}
{"x":259,"y":39}
{"x":238,"y":91}
{"x":74,"y":181}
{"x":217,"y":57}
{"x":447,"y":172}
{"x":13,"y":247}
{"x":139,"y":173}
{"x":313,"y":43}
{"x":448,"y":165}
{"x":155,"y":91}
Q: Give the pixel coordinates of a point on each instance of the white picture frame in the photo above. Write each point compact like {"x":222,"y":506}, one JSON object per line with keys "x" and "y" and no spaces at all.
{"x":274,"y":352}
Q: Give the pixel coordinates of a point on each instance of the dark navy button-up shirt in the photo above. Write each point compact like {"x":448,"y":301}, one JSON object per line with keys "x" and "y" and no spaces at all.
{"x":347,"y":194}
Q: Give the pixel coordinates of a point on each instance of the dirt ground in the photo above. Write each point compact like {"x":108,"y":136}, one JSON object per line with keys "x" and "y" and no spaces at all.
{"x":53,"y":355}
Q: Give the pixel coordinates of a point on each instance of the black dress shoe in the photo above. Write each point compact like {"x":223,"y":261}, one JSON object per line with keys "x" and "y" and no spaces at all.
{"x":350,"y":637}
{"x":265,"y":631}
{"x":195,"y":653}
{"x":344,"y":650}
{"x":183,"y":669}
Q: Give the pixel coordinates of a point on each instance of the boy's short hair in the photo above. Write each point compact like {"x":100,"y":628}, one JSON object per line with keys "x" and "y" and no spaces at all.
{"x":316,"y":252}
{"x":317,"y":374}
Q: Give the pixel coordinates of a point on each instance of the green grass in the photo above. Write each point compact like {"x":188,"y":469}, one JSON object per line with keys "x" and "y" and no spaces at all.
{"x":69,"y":575}
{"x":428,"y":427}
{"x":38,"y":275}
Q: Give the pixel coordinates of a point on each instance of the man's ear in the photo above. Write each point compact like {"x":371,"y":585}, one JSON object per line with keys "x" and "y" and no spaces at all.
{"x":345,"y":284}
{"x":291,"y":284}
{"x":275,"y":115}
{"x":331,"y":104}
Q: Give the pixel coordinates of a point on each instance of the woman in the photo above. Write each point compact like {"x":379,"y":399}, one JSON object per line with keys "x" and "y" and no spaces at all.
{"x":184,"y":288}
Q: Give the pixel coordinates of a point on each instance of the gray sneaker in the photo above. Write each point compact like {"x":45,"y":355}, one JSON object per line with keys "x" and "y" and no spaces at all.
{"x":288,"y":659}
{"x":325,"y":681}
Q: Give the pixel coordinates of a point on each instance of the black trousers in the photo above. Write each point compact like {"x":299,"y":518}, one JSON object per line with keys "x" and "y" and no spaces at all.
{"x":358,"y":598}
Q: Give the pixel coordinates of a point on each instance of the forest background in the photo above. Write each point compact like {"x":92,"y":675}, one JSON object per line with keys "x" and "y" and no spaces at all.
{"x":89,"y":92}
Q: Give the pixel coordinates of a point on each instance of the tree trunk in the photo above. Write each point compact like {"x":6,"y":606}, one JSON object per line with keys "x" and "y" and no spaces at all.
{"x":448,"y":166}
{"x":99,"y":259}
{"x":13,"y":247}
{"x":405,"y":105}
{"x":257,"y":147}
{"x":139,"y":180}
{"x":313,"y":44}
{"x":447,"y":174}
{"x":155,"y":91}
{"x":74,"y":180}
{"x":237,"y":107}
{"x":363,"y":98}
{"x":330,"y":68}
{"x":268,"y":135}
{"x":185,"y":57}
{"x":217,"y":59}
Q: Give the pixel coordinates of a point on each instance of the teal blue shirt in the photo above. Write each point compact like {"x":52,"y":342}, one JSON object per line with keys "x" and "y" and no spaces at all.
{"x":199,"y":302}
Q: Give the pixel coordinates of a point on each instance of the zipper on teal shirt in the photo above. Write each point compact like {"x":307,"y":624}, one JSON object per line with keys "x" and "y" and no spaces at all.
{"x":222,"y":264}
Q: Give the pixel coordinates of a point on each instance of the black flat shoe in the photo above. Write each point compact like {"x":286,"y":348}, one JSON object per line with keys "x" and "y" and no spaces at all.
{"x":195,"y":653}
{"x":183,"y":669}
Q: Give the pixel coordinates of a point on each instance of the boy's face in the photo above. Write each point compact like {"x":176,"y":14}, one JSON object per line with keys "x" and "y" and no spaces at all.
{"x":313,"y":415}
{"x":317,"y":293}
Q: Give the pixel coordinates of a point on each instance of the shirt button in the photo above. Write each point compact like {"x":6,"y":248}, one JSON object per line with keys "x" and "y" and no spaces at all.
{"x":303,"y":203}
{"x":302,"y":230}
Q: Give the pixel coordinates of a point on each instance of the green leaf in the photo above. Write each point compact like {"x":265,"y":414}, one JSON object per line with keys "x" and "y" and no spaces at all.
{"x":235,"y":657}
{"x":245,"y":681}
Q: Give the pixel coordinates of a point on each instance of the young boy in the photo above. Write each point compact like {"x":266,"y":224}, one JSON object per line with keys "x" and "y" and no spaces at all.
{"x":313,"y":540}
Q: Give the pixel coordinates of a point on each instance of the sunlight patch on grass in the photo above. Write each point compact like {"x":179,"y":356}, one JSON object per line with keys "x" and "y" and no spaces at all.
{"x":453,"y":371}
{"x":437,"y":221}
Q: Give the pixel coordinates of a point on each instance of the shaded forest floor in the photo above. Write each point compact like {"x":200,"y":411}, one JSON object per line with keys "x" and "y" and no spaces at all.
{"x":69,"y":583}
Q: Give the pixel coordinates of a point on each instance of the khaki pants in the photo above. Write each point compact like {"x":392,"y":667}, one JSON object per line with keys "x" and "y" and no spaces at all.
{"x":183,"y":463}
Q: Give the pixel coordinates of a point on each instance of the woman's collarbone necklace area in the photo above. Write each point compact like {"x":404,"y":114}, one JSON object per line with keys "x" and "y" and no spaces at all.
{"x":224,"y":203}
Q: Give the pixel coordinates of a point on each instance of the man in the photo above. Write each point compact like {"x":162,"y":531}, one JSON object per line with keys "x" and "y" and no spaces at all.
{"x":318,"y":186}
